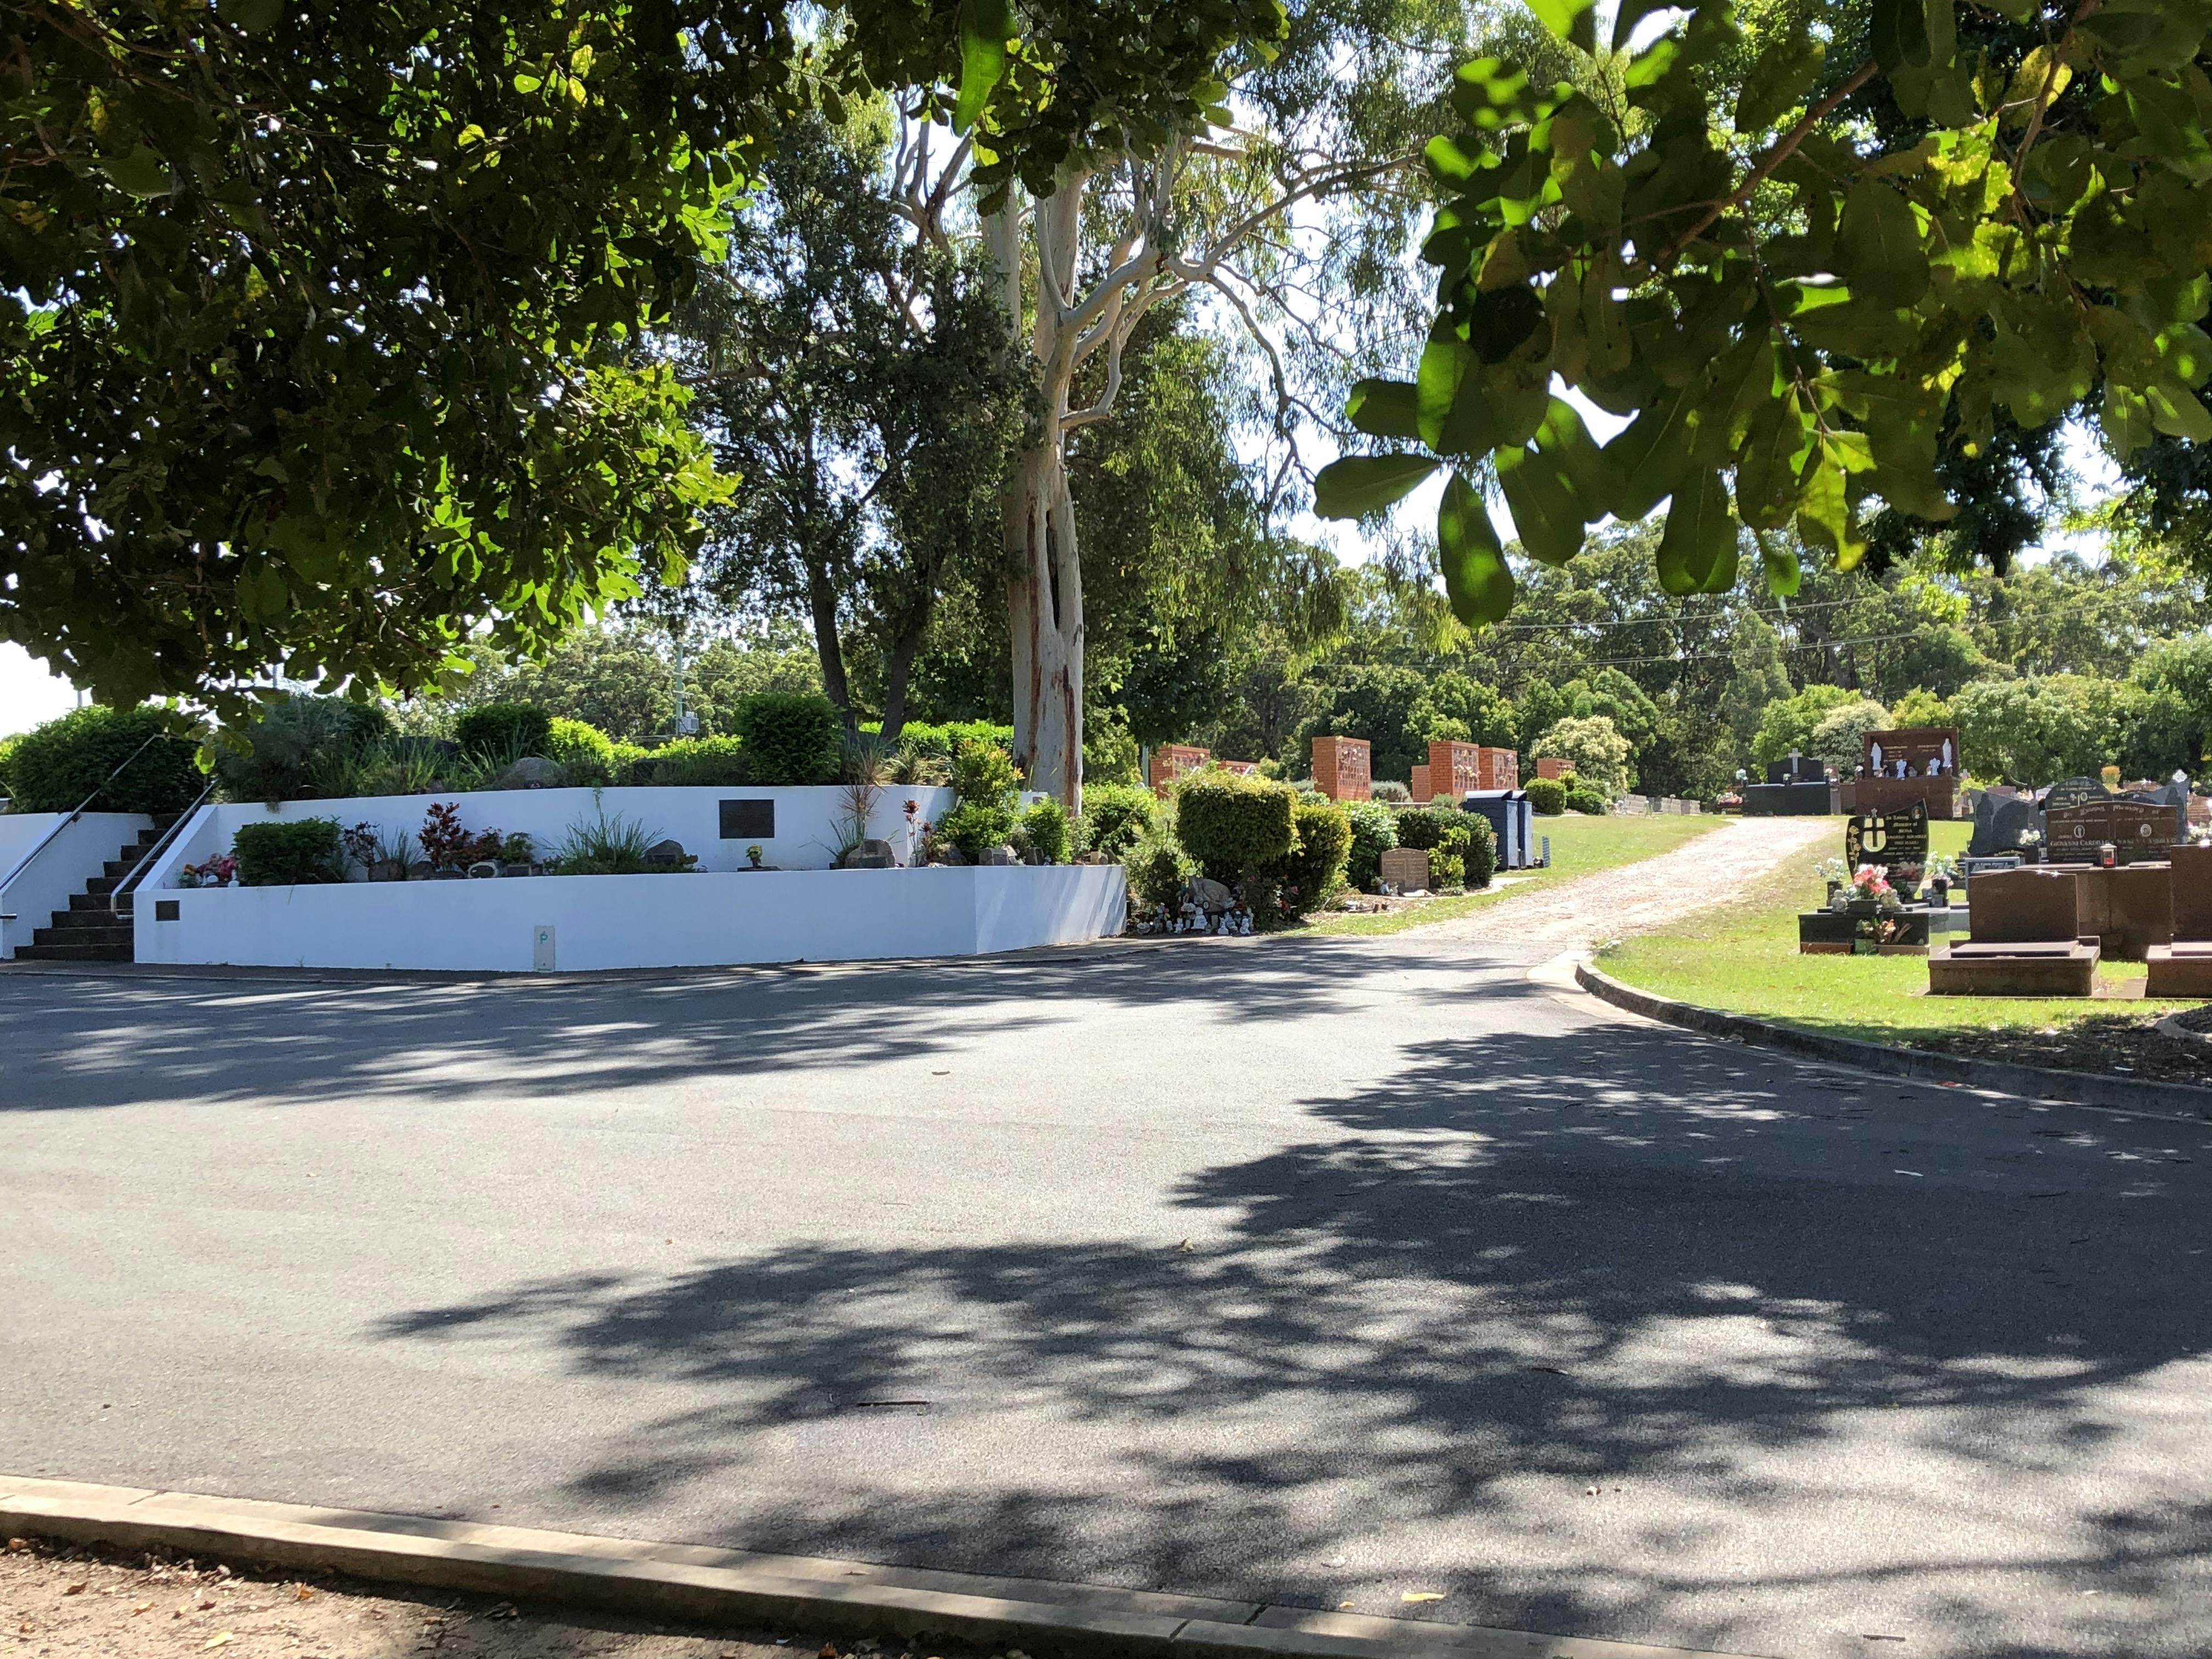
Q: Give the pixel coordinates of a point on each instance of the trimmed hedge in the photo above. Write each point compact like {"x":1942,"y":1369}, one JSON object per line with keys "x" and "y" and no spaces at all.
{"x":938,"y":742}
{"x":700,"y":761}
{"x":1117,"y":816}
{"x":54,"y":768}
{"x":1548,"y":796}
{"x":1314,"y":868}
{"x":791,"y":738}
{"x":504,"y":729}
{"x":1438,"y":828}
{"x":290,"y":853}
{"x":1234,"y":825}
{"x":1587,"y":800}
{"x":1374,"y":832}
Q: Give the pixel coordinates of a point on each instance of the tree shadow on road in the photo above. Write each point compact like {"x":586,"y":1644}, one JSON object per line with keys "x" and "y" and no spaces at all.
{"x":1533,"y":1265}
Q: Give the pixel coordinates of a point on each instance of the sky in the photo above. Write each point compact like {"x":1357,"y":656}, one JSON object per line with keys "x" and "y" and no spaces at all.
{"x":29,"y":693}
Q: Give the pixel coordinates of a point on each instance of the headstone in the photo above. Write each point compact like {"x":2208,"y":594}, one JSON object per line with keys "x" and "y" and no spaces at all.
{"x":2139,"y":829}
{"x":666,"y":852}
{"x":1887,"y":839}
{"x":2028,"y":905}
{"x":530,"y":772}
{"x":870,"y":855}
{"x":1000,"y":857}
{"x":2075,"y":791}
{"x":1405,"y":868}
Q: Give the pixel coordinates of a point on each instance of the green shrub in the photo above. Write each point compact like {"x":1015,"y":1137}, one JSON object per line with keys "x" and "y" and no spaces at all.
{"x":6,"y":748}
{"x":307,"y":748}
{"x":791,"y":738}
{"x":938,"y":742}
{"x":1044,"y":826}
{"x":1117,"y":816}
{"x":1446,"y":872}
{"x":701,"y":763}
{"x":983,"y":774}
{"x":583,"y":751}
{"x":975,"y":827}
{"x":1233,"y":825}
{"x":603,"y":846}
{"x":507,"y":729}
{"x":1314,"y":870}
{"x":1480,"y":857}
{"x":290,"y":853}
{"x":1374,"y":832}
{"x":1389,"y":790}
{"x":1157,"y":869}
{"x":54,"y":768}
{"x":1589,"y":801}
{"x":1548,"y":796}
{"x":1438,"y":829}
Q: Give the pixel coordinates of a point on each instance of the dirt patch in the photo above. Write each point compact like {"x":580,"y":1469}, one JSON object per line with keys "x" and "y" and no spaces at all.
{"x":2112,"y":1045}
{"x":78,"y":1602}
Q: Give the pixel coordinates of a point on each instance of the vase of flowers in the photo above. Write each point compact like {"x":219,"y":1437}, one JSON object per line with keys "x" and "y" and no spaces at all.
{"x":1870,"y":892}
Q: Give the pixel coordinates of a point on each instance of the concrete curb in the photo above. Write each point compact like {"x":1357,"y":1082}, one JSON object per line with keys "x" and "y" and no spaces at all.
{"x":2037,"y":1082}
{"x":693,"y":1583}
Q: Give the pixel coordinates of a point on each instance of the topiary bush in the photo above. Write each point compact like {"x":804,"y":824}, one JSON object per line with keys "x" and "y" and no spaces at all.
{"x":507,"y":729}
{"x":1374,"y":832}
{"x":1117,"y":816}
{"x":1313,"y":870}
{"x":1548,"y":796}
{"x":305,"y":748}
{"x":1233,"y":825}
{"x":582,"y":751}
{"x":983,"y":774}
{"x":290,"y":853}
{"x":1587,"y":800}
{"x":1156,"y":870}
{"x":791,"y":738}
{"x":701,"y":763}
{"x":54,"y":767}
{"x":1480,"y":858}
{"x":1044,"y":828}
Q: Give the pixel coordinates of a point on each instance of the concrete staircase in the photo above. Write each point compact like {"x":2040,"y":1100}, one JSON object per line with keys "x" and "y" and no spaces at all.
{"x":88,"y":931}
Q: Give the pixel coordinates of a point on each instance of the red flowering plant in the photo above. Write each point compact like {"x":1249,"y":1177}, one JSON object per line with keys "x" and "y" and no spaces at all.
{"x":1871,"y":882}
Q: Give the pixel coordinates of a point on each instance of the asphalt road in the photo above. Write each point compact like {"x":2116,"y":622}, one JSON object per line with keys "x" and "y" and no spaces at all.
{"x":1323,"y":1272}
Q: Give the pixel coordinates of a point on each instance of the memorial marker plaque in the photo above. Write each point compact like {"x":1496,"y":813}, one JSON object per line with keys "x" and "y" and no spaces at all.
{"x":2075,"y":791}
{"x":748,"y":820}
{"x":2140,"y":831}
{"x":1887,"y":839}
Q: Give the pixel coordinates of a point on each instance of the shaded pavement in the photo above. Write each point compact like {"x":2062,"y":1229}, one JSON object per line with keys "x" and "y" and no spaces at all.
{"x":1330,"y":1272}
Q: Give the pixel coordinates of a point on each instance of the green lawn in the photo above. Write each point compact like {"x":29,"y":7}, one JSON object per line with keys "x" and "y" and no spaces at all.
{"x":1743,"y":959}
{"x":1580,"y":845}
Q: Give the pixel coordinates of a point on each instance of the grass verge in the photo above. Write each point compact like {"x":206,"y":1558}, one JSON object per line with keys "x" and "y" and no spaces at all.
{"x":1580,"y":847}
{"x":1743,"y":959}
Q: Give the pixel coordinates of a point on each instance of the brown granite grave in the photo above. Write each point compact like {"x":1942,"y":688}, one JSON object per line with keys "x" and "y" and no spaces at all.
{"x":2053,"y":967}
{"x":2129,"y":909}
{"x":1406,"y":868}
{"x":2032,"y":904}
{"x":2138,"y":830}
{"x":2183,"y":967}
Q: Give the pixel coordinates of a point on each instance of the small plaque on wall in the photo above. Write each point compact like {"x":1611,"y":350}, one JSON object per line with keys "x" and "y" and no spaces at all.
{"x":748,"y":820}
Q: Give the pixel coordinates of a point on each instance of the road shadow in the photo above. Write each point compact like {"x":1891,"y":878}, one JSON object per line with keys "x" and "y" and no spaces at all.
{"x":1530,"y":1266}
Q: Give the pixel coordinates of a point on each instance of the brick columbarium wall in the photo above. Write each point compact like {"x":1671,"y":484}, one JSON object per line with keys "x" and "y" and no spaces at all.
{"x":1170,"y":761}
{"x":1551,"y":766}
{"x":1418,"y":786}
{"x":1498,"y":769}
{"x":1453,"y":768}
{"x":1342,"y":768}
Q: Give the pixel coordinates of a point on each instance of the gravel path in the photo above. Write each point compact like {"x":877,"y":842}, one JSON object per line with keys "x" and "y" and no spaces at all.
{"x":1634,"y":899}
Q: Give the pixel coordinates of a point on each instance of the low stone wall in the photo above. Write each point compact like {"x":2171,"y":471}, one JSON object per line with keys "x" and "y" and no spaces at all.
{"x":1634,"y":804}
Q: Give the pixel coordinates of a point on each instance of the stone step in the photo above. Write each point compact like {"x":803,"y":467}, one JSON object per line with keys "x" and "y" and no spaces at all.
{"x":74,"y":920}
{"x":101,"y":886}
{"x":74,"y":952}
{"x":96,"y":935}
{"x":99,"y":902}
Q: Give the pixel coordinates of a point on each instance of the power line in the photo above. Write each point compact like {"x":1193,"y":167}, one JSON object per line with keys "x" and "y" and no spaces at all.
{"x":1771,"y":618}
{"x":1700,"y":656}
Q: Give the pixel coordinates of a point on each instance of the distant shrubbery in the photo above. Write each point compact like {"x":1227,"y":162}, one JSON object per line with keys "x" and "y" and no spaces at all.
{"x":53,"y":768}
{"x":1546,"y":796}
{"x":290,"y":853}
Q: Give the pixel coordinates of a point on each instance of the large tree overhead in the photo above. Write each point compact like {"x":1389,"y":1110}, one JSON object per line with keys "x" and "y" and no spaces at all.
{"x":318,"y":318}
{"x":1793,"y":313}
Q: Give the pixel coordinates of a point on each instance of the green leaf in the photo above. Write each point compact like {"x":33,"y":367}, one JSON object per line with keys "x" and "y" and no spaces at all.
{"x":1385,"y":409}
{"x":1900,"y":35}
{"x":1700,"y":539}
{"x":252,"y":16}
{"x":1477,"y":580}
{"x":2125,"y":418}
{"x":1629,"y":13}
{"x":1780,"y":559}
{"x":1572,"y":21}
{"x":1650,"y":458}
{"x":1556,"y":489}
{"x":2178,"y":413}
{"x":141,"y":173}
{"x":1356,"y":485}
{"x":1767,"y":472}
{"x":985,"y":26}
{"x":1778,"y":81}
{"x":1878,"y":247}
{"x":1445,"y":363}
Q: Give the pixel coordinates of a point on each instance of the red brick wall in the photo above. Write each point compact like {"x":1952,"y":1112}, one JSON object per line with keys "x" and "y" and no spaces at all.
{"x":1170,"y":761}
{"x":1499,"y":769}
{"x":1343,"y":768}
{"x":1551,"y":767}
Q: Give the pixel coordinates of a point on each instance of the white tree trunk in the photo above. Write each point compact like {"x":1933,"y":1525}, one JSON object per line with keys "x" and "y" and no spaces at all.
{"x":1044,"y":601}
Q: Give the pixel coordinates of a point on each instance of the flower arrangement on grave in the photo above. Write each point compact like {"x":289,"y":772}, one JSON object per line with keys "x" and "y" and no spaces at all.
{"x":216,"y":872}
{"x":1870,"y":882}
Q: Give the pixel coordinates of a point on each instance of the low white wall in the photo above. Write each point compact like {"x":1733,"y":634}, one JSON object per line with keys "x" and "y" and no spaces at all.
{"x":691,"y":920}
{"x":77,"y":854}
{"x":806,"y":834}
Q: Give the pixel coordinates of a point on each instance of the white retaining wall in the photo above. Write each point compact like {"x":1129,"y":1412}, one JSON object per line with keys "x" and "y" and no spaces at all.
{"x":689,"y":921}
{"x":78,"y":854}
{"x":804,"y":911}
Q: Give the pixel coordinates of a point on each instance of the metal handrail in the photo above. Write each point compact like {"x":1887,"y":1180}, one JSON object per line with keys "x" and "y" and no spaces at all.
{"x":160,"y":846}
{"x":25,"y":862}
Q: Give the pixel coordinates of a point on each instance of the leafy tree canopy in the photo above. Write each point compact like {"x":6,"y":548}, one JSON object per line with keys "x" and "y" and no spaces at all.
{"x":1792,"y":310}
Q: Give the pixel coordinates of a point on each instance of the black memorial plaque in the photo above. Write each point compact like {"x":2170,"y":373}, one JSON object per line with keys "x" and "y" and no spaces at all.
{"x":1887,"y":839}
{"x":748,"y":820}
{"x":2076,"y":792}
